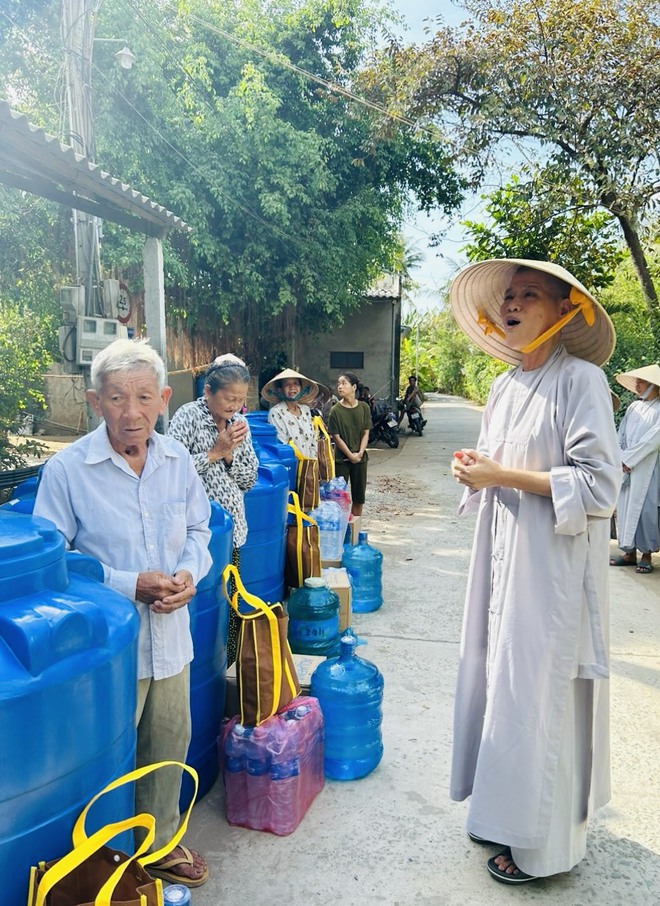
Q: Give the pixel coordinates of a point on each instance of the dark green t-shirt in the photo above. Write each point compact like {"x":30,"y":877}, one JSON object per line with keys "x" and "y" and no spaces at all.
{"x":350,"y":425}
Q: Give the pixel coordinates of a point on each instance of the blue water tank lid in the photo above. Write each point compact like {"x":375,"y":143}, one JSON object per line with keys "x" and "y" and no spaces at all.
{"x":27,"y":543}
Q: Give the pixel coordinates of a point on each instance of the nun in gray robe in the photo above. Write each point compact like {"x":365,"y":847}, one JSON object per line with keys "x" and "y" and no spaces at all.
{"x":531,"y":734}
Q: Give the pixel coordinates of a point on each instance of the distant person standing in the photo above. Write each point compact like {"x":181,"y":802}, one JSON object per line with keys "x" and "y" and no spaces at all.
{"x":290,"y":395}
{"x":348,"y":425}
{"x":638,"y":510}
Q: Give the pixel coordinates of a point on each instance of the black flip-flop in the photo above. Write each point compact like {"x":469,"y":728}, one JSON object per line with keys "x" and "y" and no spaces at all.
{"x":644,"y":567}
{"x":480,"y":839}
{"x":505,"y":877}
{"x":621,"y":561}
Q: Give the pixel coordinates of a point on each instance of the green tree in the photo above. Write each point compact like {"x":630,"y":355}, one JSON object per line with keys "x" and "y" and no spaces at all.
{"x":527,"y":221}
{"x":294,"y":199}
{"x":577,"y":84}
{"x":23,"y":359}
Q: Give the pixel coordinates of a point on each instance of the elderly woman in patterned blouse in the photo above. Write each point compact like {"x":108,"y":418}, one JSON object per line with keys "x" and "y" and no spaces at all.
{"x":218,"y":438}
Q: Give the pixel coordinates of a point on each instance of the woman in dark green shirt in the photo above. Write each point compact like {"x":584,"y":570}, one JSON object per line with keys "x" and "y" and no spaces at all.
{"x":349,"y":424}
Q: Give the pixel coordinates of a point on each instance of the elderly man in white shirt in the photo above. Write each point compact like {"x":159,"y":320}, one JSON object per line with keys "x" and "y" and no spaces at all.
{"x":132,"y":498}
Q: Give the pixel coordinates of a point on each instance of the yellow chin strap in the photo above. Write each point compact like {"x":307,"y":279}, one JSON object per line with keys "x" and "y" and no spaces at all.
{"x":577,"y":298}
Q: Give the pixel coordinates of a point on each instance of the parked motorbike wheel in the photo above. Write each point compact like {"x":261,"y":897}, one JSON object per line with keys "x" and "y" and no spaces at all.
{"x":418,"y":427}
{"x":392,"y":438}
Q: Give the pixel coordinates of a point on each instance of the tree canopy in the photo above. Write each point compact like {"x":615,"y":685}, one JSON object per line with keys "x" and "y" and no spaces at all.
{"x":227,"y":118}
{"x":576,"y":84}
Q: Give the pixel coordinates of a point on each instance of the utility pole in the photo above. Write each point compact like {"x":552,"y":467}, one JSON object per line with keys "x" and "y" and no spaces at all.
{"x":78,"y":23}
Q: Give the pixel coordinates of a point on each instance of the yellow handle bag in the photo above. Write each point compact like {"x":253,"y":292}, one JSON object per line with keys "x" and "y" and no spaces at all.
{"x":266,"y":675}
{"x":303,"y":546}
{"x":307,"y":480}
{"x":95,"y":874}
{"x":325,"y":455}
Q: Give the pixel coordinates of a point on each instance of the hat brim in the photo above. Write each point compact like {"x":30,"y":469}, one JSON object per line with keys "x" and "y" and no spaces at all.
{"x":309,"y":389}
{"x":479,"y":290}
{"x":649,"y":373}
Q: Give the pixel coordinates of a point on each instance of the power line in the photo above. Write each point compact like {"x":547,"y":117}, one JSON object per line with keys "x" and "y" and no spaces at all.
{"x":280,"y":59}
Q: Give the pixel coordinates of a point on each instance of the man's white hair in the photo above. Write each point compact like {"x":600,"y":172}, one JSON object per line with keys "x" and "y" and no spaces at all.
{"x":127,"y":355}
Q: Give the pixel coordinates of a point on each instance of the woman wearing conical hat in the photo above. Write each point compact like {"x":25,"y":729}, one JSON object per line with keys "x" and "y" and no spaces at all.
{"x":531,"y":743}
{"x":291,"y":416}
{"x":638,"y":510}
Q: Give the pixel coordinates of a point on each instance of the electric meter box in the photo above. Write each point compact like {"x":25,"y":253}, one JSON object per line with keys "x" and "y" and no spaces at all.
{"x":94,"y":334}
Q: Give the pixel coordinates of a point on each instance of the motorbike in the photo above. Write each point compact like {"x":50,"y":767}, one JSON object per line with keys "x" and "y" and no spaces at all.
{"x":416,"y":421}
{"x":384,"y":424}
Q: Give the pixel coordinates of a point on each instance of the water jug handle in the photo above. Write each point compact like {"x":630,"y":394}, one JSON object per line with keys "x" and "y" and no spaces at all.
{"x":84,"y":565}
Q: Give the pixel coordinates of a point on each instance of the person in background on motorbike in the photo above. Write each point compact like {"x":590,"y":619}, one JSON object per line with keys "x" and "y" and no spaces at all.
{"x":365,"y":396}
{"x":412,"y":397}
{"x":348,"y":425}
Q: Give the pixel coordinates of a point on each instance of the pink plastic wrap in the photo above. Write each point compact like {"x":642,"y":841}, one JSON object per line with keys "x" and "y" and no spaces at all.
{"x":273,"y":772}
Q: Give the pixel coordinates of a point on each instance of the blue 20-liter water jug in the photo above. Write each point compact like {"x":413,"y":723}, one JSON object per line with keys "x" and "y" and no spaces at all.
{"x":350,"y":692}
{"x":313,"y":618}
{"x":364,"y":564}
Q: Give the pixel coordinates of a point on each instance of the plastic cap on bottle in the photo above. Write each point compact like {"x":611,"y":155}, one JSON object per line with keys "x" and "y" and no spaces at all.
{"x":315,"y":582}
{"x":347,"y":644}
{"x":362,"y":536}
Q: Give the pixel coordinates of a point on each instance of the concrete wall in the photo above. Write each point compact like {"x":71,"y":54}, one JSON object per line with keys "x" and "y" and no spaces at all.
{"x":372,"y":331}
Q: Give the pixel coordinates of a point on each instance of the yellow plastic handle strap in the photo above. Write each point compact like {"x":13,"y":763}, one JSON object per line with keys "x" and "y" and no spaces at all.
{"x":90,"y":845}
{"x":79,"y":833}
{"x":299,"y":455}
{"x":241,"y":592}
{"x":320,"y":425}
{"x":260,"y":607}
{"x":295,"y":510}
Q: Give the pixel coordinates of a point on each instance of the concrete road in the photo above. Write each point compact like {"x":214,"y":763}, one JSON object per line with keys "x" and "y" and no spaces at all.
{"x":394,"y":837}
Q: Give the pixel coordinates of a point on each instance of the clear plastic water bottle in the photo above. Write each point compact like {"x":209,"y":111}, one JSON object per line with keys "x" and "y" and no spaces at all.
{"x":313,"y":618}
{"x":364,"y":565}
{"x":176,"y":895}
{"x":328,"y":517}
{"x":350,"y":692}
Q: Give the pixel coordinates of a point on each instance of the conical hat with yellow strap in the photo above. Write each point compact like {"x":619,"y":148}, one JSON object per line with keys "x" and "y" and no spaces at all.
{"x":477,"y":292}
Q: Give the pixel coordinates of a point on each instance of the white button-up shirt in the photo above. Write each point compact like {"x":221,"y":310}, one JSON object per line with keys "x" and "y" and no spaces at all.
{"x":134,"y":523}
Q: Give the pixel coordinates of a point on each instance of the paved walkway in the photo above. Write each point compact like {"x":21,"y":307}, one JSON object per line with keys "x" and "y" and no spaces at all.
{"x":395,"y":838}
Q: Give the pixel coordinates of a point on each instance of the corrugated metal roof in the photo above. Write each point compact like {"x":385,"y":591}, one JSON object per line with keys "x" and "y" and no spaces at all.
{"x":387,"y":287}
{"x":33,"y":160}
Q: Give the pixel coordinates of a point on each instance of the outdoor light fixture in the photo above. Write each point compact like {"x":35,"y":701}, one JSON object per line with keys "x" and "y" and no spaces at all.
{"x":126,"y":58}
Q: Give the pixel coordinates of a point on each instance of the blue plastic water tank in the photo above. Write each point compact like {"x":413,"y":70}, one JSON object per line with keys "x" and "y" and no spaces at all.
{"x":68,"y":688}
{"x":313,"y":618}
{"x":364,"y":565}
{"x":208,"y":623}
{"x":262,"y":555}
{"x":268,"y":445}
{"x":350,"y":692}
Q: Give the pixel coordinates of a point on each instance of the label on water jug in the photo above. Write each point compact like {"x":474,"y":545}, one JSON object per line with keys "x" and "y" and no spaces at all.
{"x":306,"y":630}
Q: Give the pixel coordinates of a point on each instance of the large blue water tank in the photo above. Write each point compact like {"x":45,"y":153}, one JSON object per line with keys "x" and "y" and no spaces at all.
{"x":262,"y":555}
{"x":268,"y":445}
{"x":209,"y":615}
{"x":68,"y":688}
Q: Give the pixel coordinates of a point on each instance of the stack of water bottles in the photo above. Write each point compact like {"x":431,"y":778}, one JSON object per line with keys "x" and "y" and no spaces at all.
{"x":331,"y":516}
{"x":273,"y":772}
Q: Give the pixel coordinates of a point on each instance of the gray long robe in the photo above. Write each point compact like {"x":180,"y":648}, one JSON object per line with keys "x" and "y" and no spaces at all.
{"x":536,"y":612}
{"x":639,"y":438}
